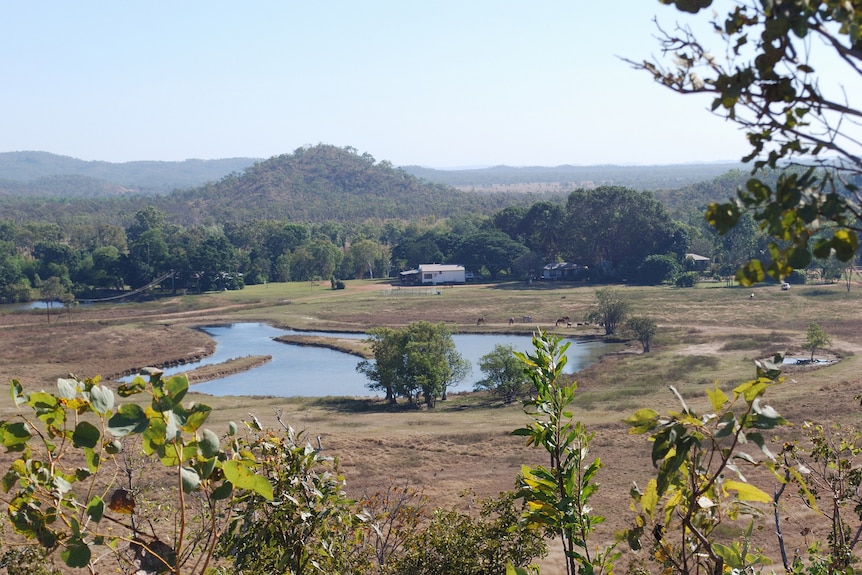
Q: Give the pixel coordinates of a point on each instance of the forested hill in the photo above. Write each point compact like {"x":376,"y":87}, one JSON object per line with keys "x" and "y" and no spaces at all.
{"x":326,"y":182}
{"x":45,"y":174}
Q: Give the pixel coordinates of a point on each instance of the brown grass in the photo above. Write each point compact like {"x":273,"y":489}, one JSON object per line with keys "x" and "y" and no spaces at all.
{"x":708,"y":335}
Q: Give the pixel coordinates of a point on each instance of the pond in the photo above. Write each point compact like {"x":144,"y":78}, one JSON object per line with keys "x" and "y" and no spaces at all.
{"x":314,"y":372}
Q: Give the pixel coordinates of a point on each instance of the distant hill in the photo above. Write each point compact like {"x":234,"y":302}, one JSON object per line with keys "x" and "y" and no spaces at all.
{"x":45,"y":174}
{"x":567,"y":178}
{"x":324,"y":182}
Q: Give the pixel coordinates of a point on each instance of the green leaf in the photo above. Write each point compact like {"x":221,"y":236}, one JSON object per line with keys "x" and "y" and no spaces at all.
{"x":723,"y":217}
{"x":16,"y":392}
{"x":206,"y":467}
{"x":96,"y":508}
{"x":642,"y":421}
{"x":137,"y":386}
{"x":14,"y":435}
{"x":747,"y":492}
{"x":751,"y":273}
{"x":209,"y":444}
{"x":195,"y":417}
{"x":190,"y":479}
{"x":67,"y":388}
{"x":76,"y":554}
{"x":243,"y":477}
{"x":112,"y":447}
{"x":846,"y":244}
{"x":263,"y":487}
{"x":223,"y":491}
{"x":85,"y":435}
{"x":93,"y":459}
{"x":102,"y":399}
{"x":130,"y":418}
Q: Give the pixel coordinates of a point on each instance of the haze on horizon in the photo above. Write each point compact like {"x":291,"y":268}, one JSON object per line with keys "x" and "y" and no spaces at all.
{"x":444,"y":84}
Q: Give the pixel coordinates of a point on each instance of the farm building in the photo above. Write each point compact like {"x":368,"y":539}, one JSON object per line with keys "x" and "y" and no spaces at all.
{"x":563,"y":271}
{"x":434,"y":274}
{"x":699,"y":263}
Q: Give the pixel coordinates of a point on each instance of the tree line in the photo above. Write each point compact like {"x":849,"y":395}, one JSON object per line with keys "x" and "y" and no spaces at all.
{"x":614,"y":234}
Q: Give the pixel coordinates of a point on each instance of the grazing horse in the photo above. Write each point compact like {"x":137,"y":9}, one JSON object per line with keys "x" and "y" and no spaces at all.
{"x":564,"y":320}
{"x":480,"y":321}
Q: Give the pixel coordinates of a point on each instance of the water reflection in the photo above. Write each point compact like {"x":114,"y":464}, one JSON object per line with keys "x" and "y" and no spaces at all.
{"x":313,"y":372}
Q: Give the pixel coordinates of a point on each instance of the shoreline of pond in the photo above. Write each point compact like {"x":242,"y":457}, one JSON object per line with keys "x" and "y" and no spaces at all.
{"x":344,"y":343}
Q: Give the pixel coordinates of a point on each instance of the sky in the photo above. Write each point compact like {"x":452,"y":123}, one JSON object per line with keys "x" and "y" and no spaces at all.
{"x":436,"y":83}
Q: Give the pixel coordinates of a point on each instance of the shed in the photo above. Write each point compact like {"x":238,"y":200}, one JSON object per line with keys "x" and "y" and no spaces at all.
{"x":699,"y":262}
{"x":563,"y":271}
{"x":435,"y":274}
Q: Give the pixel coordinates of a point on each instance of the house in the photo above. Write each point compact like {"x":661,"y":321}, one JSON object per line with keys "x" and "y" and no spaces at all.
{"x":434,"y":274}
{"x":698,"y":263}
{"x":563,"y":271}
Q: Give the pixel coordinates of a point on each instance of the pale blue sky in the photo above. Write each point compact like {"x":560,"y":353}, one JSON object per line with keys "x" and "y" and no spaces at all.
{"x":438,"y":83}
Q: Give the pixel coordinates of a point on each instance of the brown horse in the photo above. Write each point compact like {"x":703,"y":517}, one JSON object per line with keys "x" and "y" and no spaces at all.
{"x":565,"y":320}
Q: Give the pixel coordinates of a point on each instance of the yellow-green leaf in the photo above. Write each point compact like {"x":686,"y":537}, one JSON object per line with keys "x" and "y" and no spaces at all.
{"x":747,"y":491}
{"x":717,"y":398}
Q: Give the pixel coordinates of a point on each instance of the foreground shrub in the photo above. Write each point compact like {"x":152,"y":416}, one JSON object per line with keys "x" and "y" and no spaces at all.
{"x":308,"y":526}
{"x":455,"y":543}
{"x":64,"y":491}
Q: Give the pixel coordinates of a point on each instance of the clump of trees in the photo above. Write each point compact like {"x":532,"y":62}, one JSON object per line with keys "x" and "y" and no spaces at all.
{"x":610,"y":310}
{"x":420,"y":359}
{"x":504,"y":374}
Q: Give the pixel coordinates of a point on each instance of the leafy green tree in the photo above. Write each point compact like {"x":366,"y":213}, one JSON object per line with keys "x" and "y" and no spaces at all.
{"x":385,"y":370}
{"x":816,"y":338}
{"x":657,"y":269}
{"x":772,"y":84}
{"x":558,"y":496}
{"x":610,"y":310}
{"x":215,"y":261}
{"x":492,"y":250}
{"x":420,"y":358}
{"x":617,"y":225}
{"x":319,"y":258}
{"x":362,"y":258}
{"x":644,"y":329}
{"x":687,"y":279}
{"x":504,"y":373}
{"x":543,"y":229}
{"x":51,"y":291}
{"x":432,"y":364}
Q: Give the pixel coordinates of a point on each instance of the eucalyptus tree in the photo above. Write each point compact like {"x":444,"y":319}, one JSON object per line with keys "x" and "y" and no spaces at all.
{"x":782,"y":80}
{"x":618,"y":226}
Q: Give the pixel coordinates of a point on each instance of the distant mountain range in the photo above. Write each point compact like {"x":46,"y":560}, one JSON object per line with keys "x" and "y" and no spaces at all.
{"x":45,"y":174}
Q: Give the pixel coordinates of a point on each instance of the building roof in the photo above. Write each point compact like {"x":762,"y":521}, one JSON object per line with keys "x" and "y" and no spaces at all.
{"x":441,"y":268}
{"x":697,"y":258}
{"x":561,"y":266}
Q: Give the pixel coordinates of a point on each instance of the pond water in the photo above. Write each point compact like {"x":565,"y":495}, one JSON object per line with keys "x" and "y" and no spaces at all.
{"x":314,"y":372}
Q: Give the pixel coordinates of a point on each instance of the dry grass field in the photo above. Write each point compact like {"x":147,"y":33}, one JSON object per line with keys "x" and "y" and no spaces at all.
{"x":708,"y":334}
